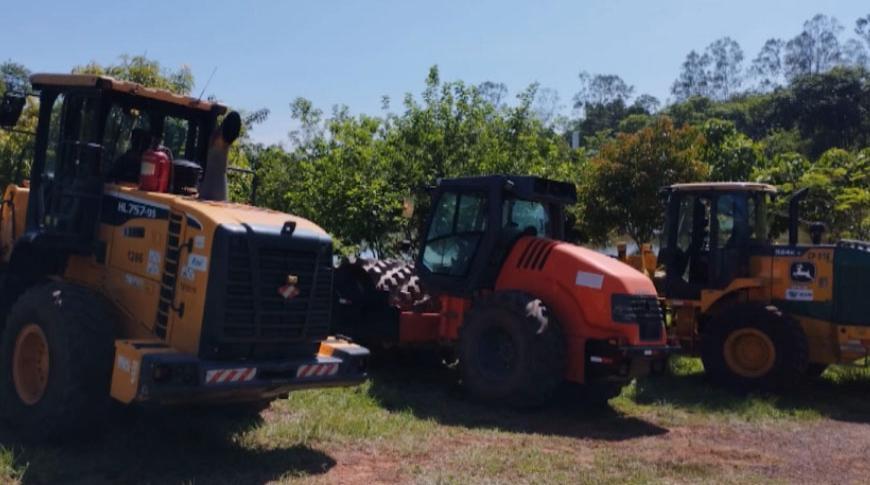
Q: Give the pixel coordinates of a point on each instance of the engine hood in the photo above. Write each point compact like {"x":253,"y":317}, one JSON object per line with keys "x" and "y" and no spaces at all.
{"x":208,"y":215}
{"x":592,"y":267}
{"x":226,"y":213}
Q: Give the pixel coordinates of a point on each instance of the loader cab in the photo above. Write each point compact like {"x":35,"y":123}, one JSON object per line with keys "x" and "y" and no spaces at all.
{"x":475,"y":221}
{"x":86,"y":126}
{"x":711,"y":230}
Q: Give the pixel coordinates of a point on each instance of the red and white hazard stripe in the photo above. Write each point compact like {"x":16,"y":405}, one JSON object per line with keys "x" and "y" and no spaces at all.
{"x":220,"y":376}
{"x":316,"y":370}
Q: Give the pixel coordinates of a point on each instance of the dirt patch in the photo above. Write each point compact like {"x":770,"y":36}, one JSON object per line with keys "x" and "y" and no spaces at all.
{"x":826,"y":451}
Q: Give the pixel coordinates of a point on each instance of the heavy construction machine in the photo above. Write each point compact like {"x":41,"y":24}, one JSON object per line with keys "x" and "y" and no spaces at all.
{"x":759,"y":314}
{"x":497,"y":286}
{"x":160,"y":296}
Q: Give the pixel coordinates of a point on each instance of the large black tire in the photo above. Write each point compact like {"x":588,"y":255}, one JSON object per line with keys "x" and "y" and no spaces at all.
{"x":736,"y":349}
{"x":511,"y":350}
{"x":77,"y":327}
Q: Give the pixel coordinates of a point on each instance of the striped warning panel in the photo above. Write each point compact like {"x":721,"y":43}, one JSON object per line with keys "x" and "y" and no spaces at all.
{"x":316,"y":370}
{"x":220,"y":376}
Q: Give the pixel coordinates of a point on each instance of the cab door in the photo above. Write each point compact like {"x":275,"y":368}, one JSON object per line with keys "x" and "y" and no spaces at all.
{"x":457,"y":241}
{"x":687,"y":249}
{"x":71,"y":184}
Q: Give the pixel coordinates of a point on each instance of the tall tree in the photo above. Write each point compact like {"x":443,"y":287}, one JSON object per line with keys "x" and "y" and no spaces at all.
{"x":601,"y":89}
{"x":862,"y":28}
{"x":694,"y":79}
{"x":767,"y":68}
{"x":493,"y":92}
{"x":546,"y":106}
{"x":648,"y":103}
{"x":726,"y":67}
{"x":816,"y":49}
{"x":855,"y":54}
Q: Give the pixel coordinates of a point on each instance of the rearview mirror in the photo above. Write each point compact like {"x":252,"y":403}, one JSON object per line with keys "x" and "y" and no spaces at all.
{"x":10,"y":109}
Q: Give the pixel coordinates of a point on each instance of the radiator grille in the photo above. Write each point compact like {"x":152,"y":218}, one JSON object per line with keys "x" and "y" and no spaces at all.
{"x":254,"y":309}
{"x":650,"y":318}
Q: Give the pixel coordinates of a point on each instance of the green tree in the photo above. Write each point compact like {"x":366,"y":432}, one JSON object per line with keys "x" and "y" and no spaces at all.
{"x":839,"y":189}
{"x":730,"y":154}
{"x":145,"y":71}
{"x":351,"y":174}
{"x":622,"y":192}
{"x":839,"y":184}
{"x":16,"y":147}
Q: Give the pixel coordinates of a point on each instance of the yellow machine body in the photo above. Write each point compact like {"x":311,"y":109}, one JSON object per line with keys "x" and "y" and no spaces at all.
{"x":137,"y":231}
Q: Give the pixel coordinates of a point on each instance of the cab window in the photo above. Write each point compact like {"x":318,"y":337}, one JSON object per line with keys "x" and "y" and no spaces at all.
{"x":728,"y":217}
{"x":120,"y":125}
{"x":458,"y":224}
{"x":72,"y":150}
{"x":53,"y":149}
{"x":525,"y":215}
{"x":176,"y":133}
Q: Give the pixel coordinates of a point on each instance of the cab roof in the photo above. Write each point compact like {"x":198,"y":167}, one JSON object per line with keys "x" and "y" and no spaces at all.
{"x":723,"y":187}
{"x":111,"y":84}
{"x":522,"y":186}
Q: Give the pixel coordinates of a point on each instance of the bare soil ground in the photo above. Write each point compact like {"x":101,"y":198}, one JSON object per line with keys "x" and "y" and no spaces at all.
{"x":411,"y":424}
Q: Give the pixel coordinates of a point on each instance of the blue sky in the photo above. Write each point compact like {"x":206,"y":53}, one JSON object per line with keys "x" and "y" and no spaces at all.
{"x":353,"y":52}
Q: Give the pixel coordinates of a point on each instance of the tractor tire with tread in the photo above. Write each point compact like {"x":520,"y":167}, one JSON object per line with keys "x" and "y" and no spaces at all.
{"x":755,"y":348}
{"x":77,"y":342}
{"x":511,"y":350}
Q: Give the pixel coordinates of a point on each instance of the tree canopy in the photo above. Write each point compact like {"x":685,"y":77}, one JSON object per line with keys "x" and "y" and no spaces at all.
{"x":796,"y":115}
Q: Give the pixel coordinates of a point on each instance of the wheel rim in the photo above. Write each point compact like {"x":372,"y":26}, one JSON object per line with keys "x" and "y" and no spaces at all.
{"x":497,"y":354}
{"x":749,"y":352}
{"x":30,"y":364}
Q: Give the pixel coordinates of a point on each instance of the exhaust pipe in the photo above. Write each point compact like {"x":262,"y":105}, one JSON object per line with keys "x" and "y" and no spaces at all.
{"x":214,"y":182}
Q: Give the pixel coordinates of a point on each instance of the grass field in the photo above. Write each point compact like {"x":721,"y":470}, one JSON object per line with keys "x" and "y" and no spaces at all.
{"x":411,"y":423}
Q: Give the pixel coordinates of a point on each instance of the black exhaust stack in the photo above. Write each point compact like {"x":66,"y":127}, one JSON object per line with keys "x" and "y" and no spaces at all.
{"x":214,"y":181}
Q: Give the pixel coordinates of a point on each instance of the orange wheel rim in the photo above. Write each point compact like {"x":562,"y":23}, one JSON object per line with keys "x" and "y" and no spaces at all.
{"x":30,"y":364}
{"x":749,"y":352}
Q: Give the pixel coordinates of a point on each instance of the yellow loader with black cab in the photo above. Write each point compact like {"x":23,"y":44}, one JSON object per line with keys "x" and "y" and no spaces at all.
{"x":759,"y":314}
{"x":121,"y":276}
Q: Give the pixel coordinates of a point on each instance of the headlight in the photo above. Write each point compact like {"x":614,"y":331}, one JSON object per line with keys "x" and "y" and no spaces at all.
{"x":622,"y":310}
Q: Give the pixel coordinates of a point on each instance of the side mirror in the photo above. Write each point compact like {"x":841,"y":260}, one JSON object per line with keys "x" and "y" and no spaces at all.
{"x":10,"y":109}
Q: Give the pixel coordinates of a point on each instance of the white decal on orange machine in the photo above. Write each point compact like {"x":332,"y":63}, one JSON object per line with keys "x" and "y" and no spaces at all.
{"x":589,"y":280}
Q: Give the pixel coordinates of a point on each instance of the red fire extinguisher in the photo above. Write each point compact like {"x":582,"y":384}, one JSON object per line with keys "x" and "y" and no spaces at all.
{"x":156,"y":168}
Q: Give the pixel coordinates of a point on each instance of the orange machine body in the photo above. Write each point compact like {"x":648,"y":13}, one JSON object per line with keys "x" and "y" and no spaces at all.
{"x":576,"y":285}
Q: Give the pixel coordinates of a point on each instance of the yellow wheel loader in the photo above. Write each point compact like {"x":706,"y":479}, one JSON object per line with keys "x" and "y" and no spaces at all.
{"x":166,"y":295}
{"x":759,"y":314}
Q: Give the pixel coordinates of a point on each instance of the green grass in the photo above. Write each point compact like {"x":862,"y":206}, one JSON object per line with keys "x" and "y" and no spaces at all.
{"x":413,"y":424}
{"x":338,"y":416}
{"x":685,"y":395}
{"x":10,"y":470}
